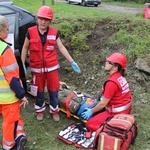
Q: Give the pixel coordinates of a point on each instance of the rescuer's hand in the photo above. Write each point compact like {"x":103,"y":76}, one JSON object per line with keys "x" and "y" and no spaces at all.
{"x":87,"y":113}
{"x":75,"y":67}
{"x":24,"y":102}
{"x":24,"y":68}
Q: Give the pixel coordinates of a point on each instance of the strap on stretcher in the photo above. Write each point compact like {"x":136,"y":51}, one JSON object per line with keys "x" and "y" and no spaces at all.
{"x":66,"y":103}
{"x":68,"y":99}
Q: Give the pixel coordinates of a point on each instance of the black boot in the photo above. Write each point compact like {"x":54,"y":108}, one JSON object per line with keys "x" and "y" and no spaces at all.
{"x":21,"y":141}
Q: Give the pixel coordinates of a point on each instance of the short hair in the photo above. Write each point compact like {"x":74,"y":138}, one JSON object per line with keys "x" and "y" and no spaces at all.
{"x":3,"y":22}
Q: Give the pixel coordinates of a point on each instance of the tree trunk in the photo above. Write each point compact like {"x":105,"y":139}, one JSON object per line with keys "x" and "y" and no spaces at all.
{"x":43,"y":2}
{"x":52,"y":2}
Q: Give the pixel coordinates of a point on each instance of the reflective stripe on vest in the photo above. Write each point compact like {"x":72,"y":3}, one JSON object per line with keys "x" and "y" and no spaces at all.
{"x":119,"y":109}
{"x":44,"y":69}
{"x":7,"y":96}
{"x":3,"y":84}
{"x":10,"y":67}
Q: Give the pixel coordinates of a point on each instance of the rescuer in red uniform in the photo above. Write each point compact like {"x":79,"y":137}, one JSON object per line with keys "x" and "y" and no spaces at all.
{"x":42,"y":41}
{"x":116,"y":96}
{"x":11,"y":92}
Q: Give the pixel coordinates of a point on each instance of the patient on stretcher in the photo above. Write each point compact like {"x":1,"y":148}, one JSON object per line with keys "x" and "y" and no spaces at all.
{"x":75,"y":102}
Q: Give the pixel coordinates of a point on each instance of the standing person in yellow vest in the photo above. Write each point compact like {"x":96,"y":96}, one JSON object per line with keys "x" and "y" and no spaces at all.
{"x":42,"y":41}
{"x":11,"y":92}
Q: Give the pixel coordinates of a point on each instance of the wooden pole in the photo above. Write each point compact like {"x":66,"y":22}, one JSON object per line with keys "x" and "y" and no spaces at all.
{"x":52,"y":2}
{"x":43,"y":2}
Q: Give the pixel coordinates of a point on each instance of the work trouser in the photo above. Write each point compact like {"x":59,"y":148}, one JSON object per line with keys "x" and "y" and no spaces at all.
{"x":12,"y":126}
{"x":51,"y":80}
{"x":96,"y":121}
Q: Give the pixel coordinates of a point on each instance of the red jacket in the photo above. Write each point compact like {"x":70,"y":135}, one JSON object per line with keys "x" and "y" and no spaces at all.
{"x":123,"y":96}
{"x":41,"y":57}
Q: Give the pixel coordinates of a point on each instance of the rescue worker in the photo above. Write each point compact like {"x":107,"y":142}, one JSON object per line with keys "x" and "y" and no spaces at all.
{"x":11,"y":92}
{"x":42,"y":41}
{"x":116,"y":96}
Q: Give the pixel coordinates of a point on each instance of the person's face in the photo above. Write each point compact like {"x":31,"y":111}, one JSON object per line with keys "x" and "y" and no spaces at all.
{"x":108,"y":65}
{"x":4,"y":32}
{"x":43,"y":23}
{"x":90,"y":101}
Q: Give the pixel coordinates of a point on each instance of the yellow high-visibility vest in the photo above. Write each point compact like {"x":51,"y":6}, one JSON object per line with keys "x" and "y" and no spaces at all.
{"x":7,"y":96}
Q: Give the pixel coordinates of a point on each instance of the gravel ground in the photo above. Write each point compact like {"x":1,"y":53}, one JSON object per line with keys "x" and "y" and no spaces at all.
{"x":120,"y":9}
{"x":113,"y":8}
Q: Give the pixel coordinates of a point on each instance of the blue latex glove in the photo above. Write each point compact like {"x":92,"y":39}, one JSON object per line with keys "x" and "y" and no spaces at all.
{"x":87,"y":113}
{"x":75,"y":67}
{"x":24,"y":68}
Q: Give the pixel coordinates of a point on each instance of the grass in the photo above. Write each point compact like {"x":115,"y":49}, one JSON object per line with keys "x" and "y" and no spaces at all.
{"x":62,"y":10}
{"x":133,"y":34}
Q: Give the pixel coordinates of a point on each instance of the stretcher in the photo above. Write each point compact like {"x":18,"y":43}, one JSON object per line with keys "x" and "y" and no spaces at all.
{"x":63,"y":110}
{"x":72,"y":115}
{"x":72,"y":103}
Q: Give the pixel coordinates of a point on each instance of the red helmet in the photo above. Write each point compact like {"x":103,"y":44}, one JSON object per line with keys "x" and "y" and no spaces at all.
{"x":45,"y":12}
{"x":118,"y":58}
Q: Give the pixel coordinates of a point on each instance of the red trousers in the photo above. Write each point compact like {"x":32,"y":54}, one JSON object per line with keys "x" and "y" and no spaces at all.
{"x":51,"y":81}
{"x":96,"y":121}
{"x":12,"y":126}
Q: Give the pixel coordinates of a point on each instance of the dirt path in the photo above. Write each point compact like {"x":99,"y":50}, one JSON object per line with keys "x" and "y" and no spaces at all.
{"x":120,"y":9}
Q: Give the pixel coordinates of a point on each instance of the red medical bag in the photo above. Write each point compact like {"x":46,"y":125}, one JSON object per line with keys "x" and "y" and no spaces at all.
{"x":116,"y":133}
{"x":147,"y":12}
